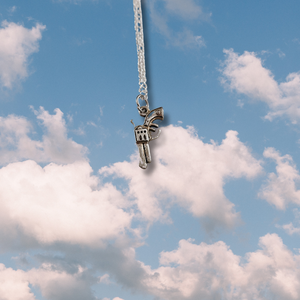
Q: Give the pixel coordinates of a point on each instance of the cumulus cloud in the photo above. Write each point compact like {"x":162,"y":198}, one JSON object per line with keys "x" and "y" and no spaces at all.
{"x":82,"y":222}
{"x":116,"y":259}
{"x":192,"y":271}
{"x":64,"y":209}
{"x":246,"y":75}
{"x":61,"y":202}
{"x":187,"y":10}
{"x":56,"y":145}
{"x":14,"y":285}
{"x":58,"y":203}
{"x":17,"y":43}
{"x":280,"y":188}
{"x":16,"y":143}
{"x":60,"y":285}
{"x":53,"y":284}
{"x":214,"y":272}
{"x":190,"y":173}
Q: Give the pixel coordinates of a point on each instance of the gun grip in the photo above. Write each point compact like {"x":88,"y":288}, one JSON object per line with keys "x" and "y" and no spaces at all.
{"x":155,"y":114}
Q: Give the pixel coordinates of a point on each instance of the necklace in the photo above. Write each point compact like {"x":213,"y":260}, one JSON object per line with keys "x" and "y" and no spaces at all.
{"x":142,"y":132}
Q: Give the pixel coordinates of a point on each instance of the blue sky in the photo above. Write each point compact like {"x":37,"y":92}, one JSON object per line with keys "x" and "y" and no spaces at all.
{"x":215,"y":215}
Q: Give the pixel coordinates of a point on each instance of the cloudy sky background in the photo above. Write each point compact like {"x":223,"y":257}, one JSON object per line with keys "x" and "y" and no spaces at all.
{"x":216,"y":214}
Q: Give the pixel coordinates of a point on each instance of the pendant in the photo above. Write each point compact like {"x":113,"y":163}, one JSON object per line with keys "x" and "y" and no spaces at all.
{"x":142,"y":132}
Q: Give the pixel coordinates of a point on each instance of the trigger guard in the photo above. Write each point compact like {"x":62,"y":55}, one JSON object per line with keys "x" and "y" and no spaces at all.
{"x":155,"y":137}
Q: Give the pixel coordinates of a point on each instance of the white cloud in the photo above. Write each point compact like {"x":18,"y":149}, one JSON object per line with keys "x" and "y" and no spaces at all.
{"x":76,"y":2}
{"x":67,"y":209}
{"x":190,"y":173}
{"x":53,"y":284}
{"x":104,"y":279}
{"x":56,"y":145}
{"x":16,"y":144}
{"x":186,"y":38}
{"x":58,"y":203}
{"x":60,"y":285}
{"x":64,"y":206}
{"x":240,"y":103}
{"x":246,"y":75}
{"x":214,"y":272}
{"x":14,"y":285}
{"x":12,"y":9}
{"x":187,"y":10}
{"x":17,"y":43}
{"x":290,"y":228}
{"x":280,"y":189}
{"x":280,"y":53}
{"x":192,"y":271}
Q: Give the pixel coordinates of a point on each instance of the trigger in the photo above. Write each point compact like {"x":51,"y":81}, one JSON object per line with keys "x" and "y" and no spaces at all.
{"x":153,"y":125}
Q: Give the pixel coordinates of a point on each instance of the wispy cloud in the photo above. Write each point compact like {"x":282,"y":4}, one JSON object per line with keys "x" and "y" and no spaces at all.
{"x":12,"y":9}
{"x":280,"y":53}
{"x":187,"y":11}
{"x":76,"y":2}
{"x":290,"y":227}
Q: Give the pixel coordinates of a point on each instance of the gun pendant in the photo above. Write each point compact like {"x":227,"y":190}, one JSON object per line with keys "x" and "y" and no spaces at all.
{"x":142,"y":132}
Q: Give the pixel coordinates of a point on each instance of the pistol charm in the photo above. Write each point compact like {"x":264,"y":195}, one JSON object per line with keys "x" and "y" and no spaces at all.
{"x":142,"y":138}
{"x":142,"y":132}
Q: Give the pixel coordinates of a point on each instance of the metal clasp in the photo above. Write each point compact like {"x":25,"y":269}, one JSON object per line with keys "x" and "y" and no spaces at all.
{"x":143,"y":110}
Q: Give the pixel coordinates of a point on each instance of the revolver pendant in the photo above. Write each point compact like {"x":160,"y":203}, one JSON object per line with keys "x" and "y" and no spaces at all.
{"x":142,"y":132}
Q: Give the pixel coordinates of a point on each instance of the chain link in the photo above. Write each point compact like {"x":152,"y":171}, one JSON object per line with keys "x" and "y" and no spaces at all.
{"x":139,"y":36}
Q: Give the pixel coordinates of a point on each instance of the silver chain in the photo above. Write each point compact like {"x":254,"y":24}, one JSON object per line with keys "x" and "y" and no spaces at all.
{"x":139,"y":36}
{"x":142,"y":132}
